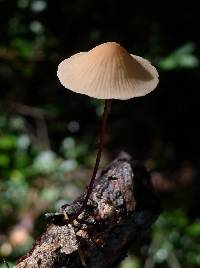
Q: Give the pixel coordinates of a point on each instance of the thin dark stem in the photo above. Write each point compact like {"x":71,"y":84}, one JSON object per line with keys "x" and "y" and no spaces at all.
{"x":98,"y":158}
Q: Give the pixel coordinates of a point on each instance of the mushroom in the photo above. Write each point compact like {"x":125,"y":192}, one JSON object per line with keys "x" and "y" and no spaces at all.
{"x":106,"y":72}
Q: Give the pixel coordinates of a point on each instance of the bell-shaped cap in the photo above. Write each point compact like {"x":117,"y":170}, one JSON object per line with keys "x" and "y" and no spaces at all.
{"x":108,"y":71}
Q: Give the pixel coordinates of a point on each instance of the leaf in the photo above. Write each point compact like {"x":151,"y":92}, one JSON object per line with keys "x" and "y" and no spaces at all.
{"x":194,"y":229}
{"x":7,"y":142}
{"x":181,"y":58}
{"x":4,"y":160}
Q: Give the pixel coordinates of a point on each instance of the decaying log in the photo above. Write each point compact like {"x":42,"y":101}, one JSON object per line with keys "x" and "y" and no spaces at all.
{"x":122,"y":206}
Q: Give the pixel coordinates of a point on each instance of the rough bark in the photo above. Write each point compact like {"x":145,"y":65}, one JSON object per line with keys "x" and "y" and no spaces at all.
{"x":121,"y":208}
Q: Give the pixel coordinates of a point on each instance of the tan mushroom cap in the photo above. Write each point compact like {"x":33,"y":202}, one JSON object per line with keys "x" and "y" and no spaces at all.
{"x":108,"y":71}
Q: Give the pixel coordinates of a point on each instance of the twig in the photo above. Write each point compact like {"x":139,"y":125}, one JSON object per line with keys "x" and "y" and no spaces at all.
{"x":172,"y":260}
{"x":149,"y":262}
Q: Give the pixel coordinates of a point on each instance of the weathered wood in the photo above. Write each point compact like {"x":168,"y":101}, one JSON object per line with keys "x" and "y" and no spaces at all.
{"x":121,"y":207}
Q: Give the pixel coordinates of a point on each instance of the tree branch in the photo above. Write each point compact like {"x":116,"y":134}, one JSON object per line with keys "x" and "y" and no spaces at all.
{"x":121,"y":207}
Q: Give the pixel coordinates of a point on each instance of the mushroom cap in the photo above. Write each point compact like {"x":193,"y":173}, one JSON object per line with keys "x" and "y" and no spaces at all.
{"x":108,"y":71}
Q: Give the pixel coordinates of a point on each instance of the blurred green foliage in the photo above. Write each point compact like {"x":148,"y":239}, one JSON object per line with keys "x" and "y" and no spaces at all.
{"x":177,"y":240}
{"x":182,"y":57}
{"x":33,"y":180}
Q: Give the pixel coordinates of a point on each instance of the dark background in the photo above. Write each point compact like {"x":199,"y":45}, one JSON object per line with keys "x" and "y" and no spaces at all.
{"x":160,"y":129}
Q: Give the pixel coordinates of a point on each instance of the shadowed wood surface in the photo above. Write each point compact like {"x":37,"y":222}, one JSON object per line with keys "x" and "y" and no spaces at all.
{"x":121,"y":208}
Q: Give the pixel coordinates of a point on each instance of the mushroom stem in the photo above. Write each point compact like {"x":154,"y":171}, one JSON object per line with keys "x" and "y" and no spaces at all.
{"x":97,"y":162}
